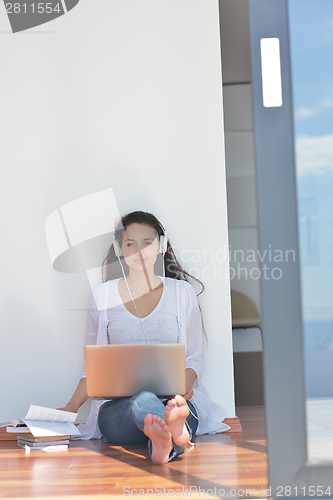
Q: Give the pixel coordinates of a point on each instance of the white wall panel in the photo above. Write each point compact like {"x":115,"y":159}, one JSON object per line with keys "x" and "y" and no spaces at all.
{"x":123,"y":95}
{"x":239,"y":153}
{"x":244,"y":272}
{"x":238,"y":107}
{"x":242,"y":202}
{"x":243,"y":250}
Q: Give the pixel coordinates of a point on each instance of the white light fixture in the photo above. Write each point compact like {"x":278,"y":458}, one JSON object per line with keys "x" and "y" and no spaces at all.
{"x":271,"y":72}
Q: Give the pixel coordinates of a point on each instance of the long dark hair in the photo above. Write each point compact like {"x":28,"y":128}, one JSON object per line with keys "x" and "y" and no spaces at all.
{"x":173,"y":269}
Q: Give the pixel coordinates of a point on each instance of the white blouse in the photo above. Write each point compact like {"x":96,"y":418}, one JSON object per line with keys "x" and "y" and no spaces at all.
{"x":159,"y":327}
{"x":181,"y":307}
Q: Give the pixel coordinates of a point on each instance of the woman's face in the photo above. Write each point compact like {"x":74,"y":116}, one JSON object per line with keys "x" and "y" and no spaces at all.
{"x":140,"y":246}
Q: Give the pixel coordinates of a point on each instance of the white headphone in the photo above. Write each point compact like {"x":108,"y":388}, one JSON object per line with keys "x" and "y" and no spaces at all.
{"x":162,"y":246}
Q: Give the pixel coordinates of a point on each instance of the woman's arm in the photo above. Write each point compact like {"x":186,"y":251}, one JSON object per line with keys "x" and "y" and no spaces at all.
{"x":79,"y":397}
{"x":190,"y":378}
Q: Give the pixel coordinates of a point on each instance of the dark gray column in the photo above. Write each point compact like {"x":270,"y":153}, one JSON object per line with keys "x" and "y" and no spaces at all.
{"x":281,"y":299}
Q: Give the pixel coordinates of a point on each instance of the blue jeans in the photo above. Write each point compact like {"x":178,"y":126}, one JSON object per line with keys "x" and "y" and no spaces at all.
{"x":121,"y":420}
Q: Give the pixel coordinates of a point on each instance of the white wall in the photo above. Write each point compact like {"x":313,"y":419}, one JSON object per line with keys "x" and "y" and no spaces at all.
{"x":123,"y":94}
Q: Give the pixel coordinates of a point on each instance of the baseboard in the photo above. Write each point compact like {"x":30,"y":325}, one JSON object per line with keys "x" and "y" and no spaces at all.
{"x":234,"y":423}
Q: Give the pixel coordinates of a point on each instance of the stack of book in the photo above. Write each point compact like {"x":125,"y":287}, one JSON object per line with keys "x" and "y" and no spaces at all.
{"x":43,"y":429}
{"x":29,"y":442}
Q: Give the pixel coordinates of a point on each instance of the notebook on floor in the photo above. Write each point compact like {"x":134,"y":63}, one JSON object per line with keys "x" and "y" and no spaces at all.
{"x":117,"y":371}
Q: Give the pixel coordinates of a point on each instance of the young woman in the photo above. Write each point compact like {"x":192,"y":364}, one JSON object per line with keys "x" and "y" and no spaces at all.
{"x":143,"y":307}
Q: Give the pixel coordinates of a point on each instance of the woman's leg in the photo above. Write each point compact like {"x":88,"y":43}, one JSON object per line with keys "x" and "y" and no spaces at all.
{"x":192,"y":420}
{"x":176,"y":410}
{"x":160,"y":444}
{"x":121,"y":421}
{"x":191,"y":424}
{"x":176,"y":413}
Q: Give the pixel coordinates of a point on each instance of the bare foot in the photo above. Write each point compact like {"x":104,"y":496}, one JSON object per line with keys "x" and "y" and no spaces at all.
{"x":176,"y":412}
{"x":157,"y":430}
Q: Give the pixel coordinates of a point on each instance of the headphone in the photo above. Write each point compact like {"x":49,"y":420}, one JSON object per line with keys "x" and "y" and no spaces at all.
{"x":162,"y":246}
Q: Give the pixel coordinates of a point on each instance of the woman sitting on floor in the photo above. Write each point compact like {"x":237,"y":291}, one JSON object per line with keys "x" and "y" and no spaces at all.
{"x":143,"y":308}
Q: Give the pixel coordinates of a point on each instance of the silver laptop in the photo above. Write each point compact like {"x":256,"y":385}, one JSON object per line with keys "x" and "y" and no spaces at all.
{"x":117,"y":371}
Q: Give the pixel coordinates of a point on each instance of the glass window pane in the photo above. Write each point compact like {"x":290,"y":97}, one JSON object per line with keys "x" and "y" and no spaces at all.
{"x":311,"y":31}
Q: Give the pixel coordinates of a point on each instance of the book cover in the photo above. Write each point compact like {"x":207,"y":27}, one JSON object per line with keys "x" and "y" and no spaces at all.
{"x":31,"y":438}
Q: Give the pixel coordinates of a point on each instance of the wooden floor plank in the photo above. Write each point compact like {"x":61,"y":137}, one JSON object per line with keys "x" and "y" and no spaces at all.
{"x":96,"y":469}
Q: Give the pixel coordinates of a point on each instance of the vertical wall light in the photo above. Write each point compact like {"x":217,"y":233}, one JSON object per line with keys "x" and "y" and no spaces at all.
{"x":271,"y":72}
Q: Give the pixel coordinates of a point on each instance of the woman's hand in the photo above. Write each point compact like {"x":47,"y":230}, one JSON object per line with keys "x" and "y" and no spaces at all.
{"x":68,"y":407}
{"x":79,"y":397}
{"x":190,"y":378}
{"x":189,"y":393}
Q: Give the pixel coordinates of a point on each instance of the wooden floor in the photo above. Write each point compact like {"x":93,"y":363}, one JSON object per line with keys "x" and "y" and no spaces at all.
{"x":222,"y":465}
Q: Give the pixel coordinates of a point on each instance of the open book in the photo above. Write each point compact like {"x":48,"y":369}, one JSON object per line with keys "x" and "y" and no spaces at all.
{"x":42,"y":421}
